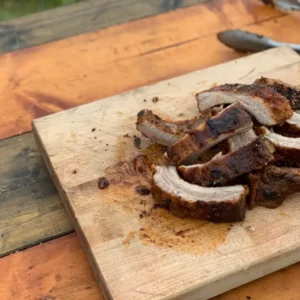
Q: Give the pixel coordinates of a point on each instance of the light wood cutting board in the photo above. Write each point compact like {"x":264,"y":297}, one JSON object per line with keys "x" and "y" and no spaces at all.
{"x":138,"y":253}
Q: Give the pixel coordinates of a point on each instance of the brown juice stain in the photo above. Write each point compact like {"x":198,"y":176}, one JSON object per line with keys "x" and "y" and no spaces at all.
{"x":157,"y":226}
{"x":130,"y":236}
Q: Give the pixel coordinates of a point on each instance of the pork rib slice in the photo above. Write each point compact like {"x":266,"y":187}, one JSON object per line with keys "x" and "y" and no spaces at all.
{"x":222,"y":169}
{"x":286,"y":147}
{"x":230,"y":121}
{"x":262,"y":102}
{"x":292,"y":93}
{"x":293,"y":124}
{"x":270,"y":187}
{"x":241,"y":139}
{"x":161,"y":131}
{"x":216,"y":204}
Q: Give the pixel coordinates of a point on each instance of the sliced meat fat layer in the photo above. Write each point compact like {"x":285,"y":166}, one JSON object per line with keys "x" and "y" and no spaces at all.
{"x":229,"y":122}
{"x":270,"y":187}
{"x":262,"y":102}
{"x":162,"y":131}
{"x":286,"y":147}
{"x":216,"y":204}
{"x":293,"y":124}
{"x":222,"y":169}
{"x":292,"y":93}
{"x":241,"y":139}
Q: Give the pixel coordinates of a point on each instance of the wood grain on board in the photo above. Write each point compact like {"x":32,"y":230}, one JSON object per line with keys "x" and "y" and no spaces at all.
{"x":79,"y":18}
{"x":59,"y":269}
{"x":30,"y":208}
{"x":141,"y":253}
{"x":42,"y":80}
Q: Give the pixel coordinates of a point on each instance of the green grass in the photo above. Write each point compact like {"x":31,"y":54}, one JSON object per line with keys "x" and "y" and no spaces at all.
{"x":10,"y":9}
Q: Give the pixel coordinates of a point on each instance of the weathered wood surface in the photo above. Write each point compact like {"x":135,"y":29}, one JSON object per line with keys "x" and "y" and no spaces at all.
{"x":120,"y":58}
{"x":59,"y":270}
{"x":30,"y":209}
{"x":138,"y":257}
{"x":79,"y":18}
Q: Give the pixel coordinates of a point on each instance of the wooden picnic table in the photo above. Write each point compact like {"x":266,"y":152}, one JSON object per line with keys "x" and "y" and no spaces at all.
{"x":86,"y":52}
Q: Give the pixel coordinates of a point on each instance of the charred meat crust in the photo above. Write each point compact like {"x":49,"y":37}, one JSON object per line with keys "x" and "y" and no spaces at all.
{"x":274,"y":99}
{"x":163,"y":131}
{"x":221,"y":170}
{"x":277,"y":106}
{"x":290,"y":92}
{"x":288,"y":155}
{"x":288,"y":129}
{"x":225,"y":124}
{"x":213,"y":210}
{"x":167,"y":126}
{"x":269,"y":188}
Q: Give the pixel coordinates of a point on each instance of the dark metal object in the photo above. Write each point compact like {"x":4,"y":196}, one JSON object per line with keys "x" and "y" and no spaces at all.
{"x":284,"y":4}
{"x":244,"y":41}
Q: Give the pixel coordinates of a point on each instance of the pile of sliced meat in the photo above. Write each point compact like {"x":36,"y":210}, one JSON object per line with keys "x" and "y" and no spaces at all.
{"x":243,"y":150}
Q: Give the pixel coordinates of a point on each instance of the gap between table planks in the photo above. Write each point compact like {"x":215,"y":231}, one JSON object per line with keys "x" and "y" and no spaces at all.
{"x":59,"y":270}
{"x":100,"y":64}
{"x":87,"y":139}
{"x":22,"y":106}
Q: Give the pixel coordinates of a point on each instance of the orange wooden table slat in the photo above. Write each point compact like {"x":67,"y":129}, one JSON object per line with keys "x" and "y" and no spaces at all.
{"x":55,"y":270}
{"x":52,"y":77}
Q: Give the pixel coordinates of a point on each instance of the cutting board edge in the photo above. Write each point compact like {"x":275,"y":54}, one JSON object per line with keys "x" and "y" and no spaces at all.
{"x":236,"y":279}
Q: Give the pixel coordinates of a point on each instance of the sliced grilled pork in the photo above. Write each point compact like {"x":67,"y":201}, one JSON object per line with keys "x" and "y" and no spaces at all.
{"x":222,"y":169}
{"x":291,"y":127}
{"x":216,"y":204}
{"x":161,"y":131}
{"x":262,"y":102}
{"x":230,"y":121}
{"x":292,"y":93}
{"x":293,"y":124}
{"x":269,"y":188}
{"x":241,"y":139}
{"x":286,"y":147}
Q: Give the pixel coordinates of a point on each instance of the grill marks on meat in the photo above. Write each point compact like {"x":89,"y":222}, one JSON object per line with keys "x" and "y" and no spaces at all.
{"x":216,"y":204}
{"x":222,"y":169}
{"x":200,"y":192}
{"x":228,"y":122}
{"x":269,"y":188}
{"x":263,"y":102}
{"x":290,"y":92}
{"x":161,"y":131}
{"x":241,"y":139}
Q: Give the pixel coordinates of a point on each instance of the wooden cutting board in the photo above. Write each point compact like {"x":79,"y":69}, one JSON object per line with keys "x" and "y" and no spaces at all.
{"x":138,"y":252}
